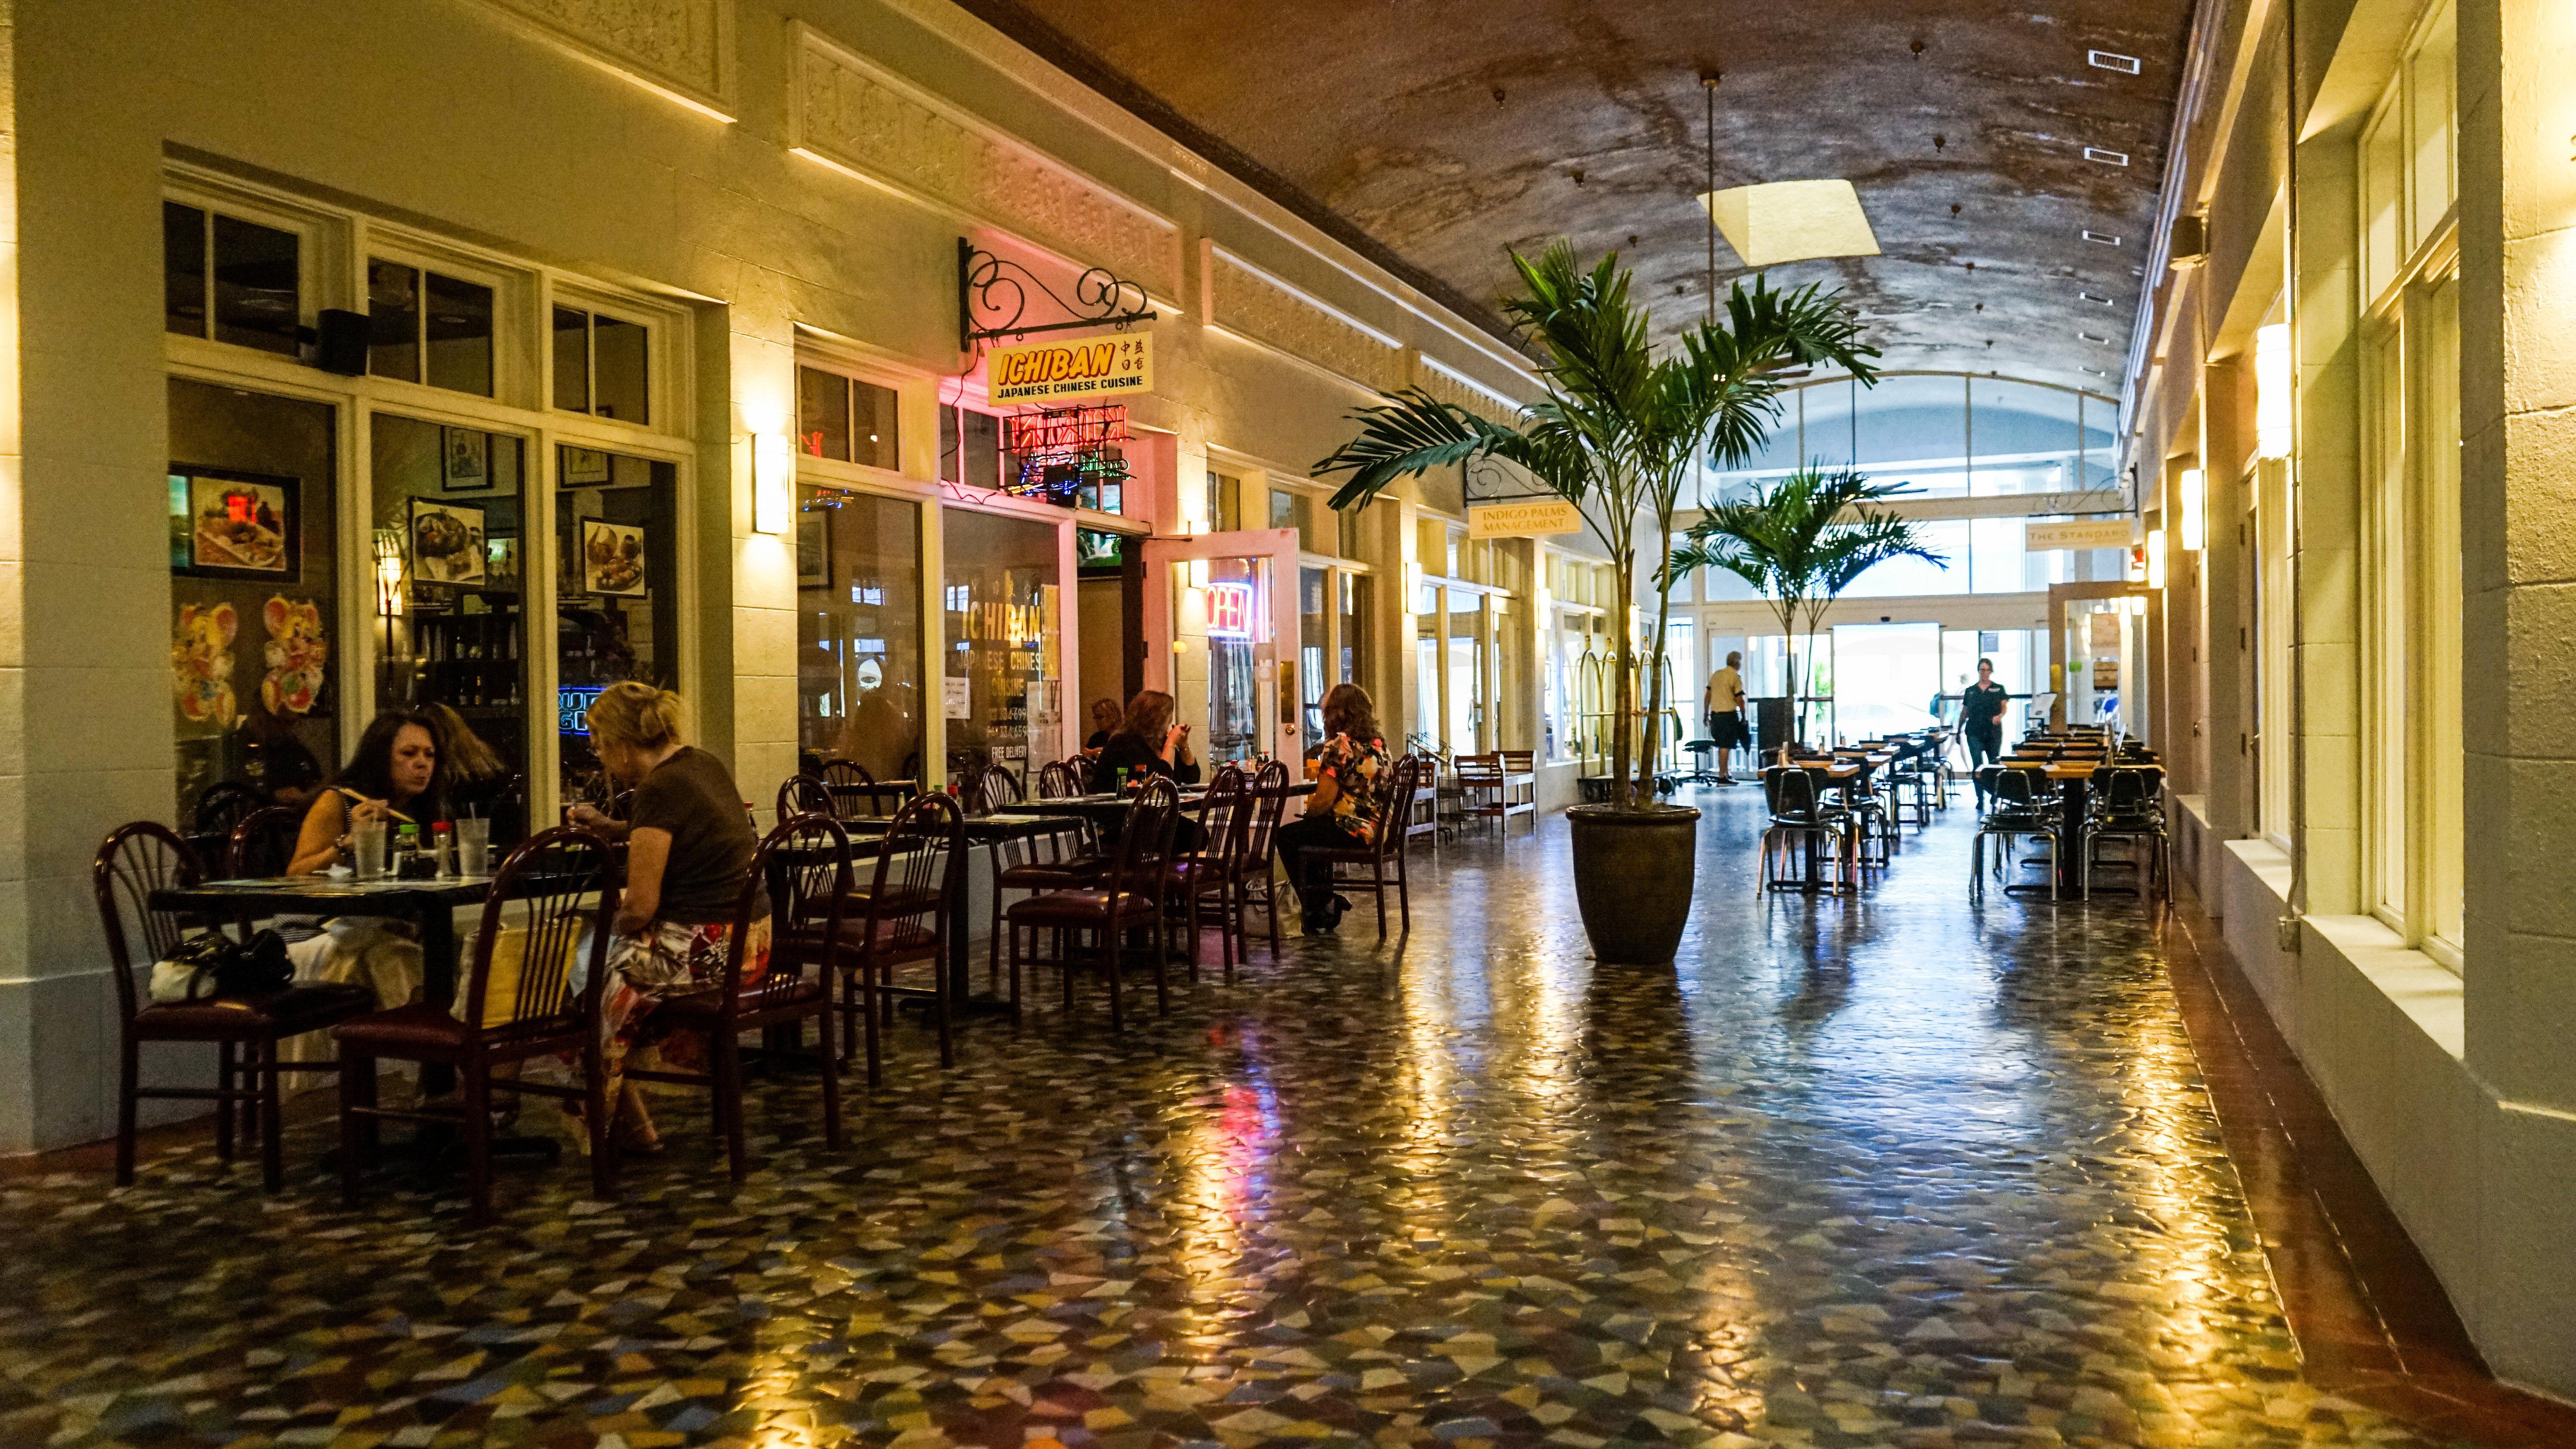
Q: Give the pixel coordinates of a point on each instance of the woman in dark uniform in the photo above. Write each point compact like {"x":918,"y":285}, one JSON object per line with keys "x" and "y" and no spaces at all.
{"x":1981,"y":714}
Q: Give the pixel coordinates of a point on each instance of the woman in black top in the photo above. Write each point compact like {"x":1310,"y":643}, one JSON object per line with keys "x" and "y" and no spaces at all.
{"x":1104,"y":723}
{"x":1981,"y":715}
{"x":1147,"y":743}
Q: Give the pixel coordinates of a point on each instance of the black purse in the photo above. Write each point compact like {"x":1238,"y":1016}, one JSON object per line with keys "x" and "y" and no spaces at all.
{"x":237,"y":969}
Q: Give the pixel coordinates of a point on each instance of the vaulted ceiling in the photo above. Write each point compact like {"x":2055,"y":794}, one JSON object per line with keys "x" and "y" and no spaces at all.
{"x":1437,"y":134}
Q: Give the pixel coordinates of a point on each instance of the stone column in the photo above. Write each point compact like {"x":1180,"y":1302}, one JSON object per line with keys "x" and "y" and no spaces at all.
{"x":2326,"y":315}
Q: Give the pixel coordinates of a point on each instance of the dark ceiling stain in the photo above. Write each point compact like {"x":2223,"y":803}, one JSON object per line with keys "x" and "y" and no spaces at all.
{"x":1432,"y":137}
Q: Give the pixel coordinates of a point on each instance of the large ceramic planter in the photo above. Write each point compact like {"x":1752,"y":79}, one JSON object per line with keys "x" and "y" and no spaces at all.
{"x":1632,"y":876}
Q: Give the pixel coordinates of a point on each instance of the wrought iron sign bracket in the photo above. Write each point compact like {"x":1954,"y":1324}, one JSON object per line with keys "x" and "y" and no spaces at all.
{"x":993,"y":299}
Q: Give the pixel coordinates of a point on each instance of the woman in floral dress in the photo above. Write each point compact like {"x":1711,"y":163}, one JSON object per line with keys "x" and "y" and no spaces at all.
{"x":1351,"y":774}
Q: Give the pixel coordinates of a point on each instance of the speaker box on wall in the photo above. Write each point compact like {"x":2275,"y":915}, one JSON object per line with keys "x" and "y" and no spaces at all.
{"x":340,"y":342}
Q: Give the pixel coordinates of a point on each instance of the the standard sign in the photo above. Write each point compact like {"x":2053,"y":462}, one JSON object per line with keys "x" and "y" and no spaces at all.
{"x":1526,"y":518}
{"x":1084,"y":370}
{"x":2094,"y":533}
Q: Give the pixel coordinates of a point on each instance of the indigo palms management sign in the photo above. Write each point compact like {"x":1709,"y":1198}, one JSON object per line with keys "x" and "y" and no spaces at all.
{"x":1082,"y":369}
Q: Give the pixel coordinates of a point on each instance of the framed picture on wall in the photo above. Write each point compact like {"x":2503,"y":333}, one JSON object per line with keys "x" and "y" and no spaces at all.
{"x":447,"y":543}
{"x":584,"y":466}
{"x":612,"y":558}
{"x":466,"y":459}
{"x":813,"y":554}
{"x":235,"y":525}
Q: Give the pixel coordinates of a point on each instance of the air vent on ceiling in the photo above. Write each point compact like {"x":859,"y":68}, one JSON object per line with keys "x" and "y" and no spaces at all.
{"x":2094,"y":297}
{"x":2107,"y":158}
{"x":2103,"y":237}
{"x":2111,"y":60}
{"x":2089,"y":337}
{"x":2097,"y":372}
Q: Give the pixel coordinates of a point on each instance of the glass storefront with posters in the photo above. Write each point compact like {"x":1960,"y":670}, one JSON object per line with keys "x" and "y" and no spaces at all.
{"x":858,"y":630}
{"x":1002,"y":687}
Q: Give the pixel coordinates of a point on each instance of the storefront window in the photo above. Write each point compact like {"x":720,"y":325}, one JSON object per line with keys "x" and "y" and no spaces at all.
{"x":1314,"y":589}
{"x":445,"y":522}
{"x":1003,"y":677}
{"x":845,"y":419}
{"x":617,"y":596}
{"x":602,"y":365}
{"x":970,"y":448}
{"x":1355,"y":593}
{"x":245,"y":276}
{"x":1235,"y":606}
{"x":254,"y":619}
{"x":1466,"y":671}
{"x":858,"y":632}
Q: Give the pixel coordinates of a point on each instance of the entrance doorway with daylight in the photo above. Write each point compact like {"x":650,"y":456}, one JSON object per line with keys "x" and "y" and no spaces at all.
{"x":1224,"y":608}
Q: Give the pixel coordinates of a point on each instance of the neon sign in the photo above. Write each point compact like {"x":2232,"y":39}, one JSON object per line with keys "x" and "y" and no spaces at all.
{"x":1229,"y":611}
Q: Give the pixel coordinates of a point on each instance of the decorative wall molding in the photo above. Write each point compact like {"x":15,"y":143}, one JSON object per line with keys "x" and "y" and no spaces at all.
{"x":1244,"y":299}
{"x":682,"y":48}
{"x":1457,"y":389}
{"x":847,"y":111}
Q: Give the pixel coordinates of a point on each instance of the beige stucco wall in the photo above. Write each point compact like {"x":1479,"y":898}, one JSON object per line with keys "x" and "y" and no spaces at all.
{"x":567,"y":149}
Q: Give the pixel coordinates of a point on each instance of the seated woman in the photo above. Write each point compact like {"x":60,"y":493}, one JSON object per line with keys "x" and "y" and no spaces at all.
{"x":1350,"y":796}
{"x":1146,"y":743}
{"x":392,"y":777}
{"x":688,"y":843}
{"x":1104,"y":723}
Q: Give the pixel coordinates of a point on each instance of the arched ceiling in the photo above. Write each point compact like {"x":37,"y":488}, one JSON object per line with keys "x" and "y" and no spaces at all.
{"x":1436,"y":134}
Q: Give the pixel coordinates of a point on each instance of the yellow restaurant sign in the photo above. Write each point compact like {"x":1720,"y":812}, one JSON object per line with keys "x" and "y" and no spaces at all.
{"x":2089,"y":533}
{"x":1523,"y":518}
{"x":1085,"y":369}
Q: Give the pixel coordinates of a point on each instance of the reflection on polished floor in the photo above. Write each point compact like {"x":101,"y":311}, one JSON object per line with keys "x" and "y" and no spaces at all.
{"x":1889,"y":1171}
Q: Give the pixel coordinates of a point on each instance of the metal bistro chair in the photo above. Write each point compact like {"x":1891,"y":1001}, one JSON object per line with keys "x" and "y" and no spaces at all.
{"x":263,"y":844}
{"x":1404,"y":783}
{"x":2127,"y":805}
{"x":804,"y":865}
{"x":133,"y":862}
{"x":1129,"y":896}
{"x":562,"y":884}
{"x":1799,"y":816}
{"x":1254,"y":875}
{"x":2018,"y":803}
{"x":804,"y":794}
{"x":1070,"y":862}
{"x":902,"y":920}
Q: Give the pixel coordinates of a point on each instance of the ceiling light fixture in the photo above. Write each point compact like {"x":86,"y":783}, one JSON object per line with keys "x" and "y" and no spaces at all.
{"x":2094,"y":297}
{"x":2112,"y":60}
{"x":1792,"y":221}
{"x":2097,"y":372}
{"x":2105,"y":157}
{"x":2102,"y":237}
{"x":2089,"y":337}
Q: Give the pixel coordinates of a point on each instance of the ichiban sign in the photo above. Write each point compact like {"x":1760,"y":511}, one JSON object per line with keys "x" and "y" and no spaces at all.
{"x":1523,"y":518}
{"x":1086,"y":369}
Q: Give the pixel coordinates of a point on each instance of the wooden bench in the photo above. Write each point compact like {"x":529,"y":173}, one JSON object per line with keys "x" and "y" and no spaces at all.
{"x":1520,"y":785}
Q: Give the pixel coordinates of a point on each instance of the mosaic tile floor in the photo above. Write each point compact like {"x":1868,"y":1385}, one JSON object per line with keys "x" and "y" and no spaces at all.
{"x":1895,"y":1171}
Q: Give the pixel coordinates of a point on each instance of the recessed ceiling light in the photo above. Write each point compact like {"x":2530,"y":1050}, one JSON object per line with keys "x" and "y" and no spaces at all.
{"x":2097,"y":372}
{"x":2104,"y":237}
{"x":2094,"y":297}
{"x":2107,"y":158}
{"x":2089,"y":337}
{"x":2112,"y":60}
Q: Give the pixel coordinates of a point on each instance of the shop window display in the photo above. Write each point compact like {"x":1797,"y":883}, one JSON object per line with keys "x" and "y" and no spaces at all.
{"x":859,"y":643}
{"x":1001,"y":685}
{"x":617,"y":595}
{"x":254,"y":599}
{"x":245,"y":277}
{"x":450,"y":604}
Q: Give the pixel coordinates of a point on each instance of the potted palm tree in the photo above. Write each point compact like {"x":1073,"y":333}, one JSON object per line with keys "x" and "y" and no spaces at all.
{"x":1618,"y":431}
{"x":1800,"y":542}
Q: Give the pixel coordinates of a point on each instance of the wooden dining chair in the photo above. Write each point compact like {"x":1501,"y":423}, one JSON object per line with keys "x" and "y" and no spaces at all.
{"x":1383,"y":856}
{"x":1255,"y":878}
{"x":902,"y":919}
{"x":548,"y":914}
{"x":1199,"y":884}
{"x":134,"y":861}
{"x":1481,"y":790}
{"x":805,"y":795}
{"x":804,"y":867}
{"x":1128,"y":896}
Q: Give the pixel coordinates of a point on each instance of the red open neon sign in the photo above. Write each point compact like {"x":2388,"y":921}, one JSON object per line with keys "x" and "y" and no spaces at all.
{"x":1229,"y":611}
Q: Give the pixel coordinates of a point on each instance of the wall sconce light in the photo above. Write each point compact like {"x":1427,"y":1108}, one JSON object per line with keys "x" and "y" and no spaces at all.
{"x":2155,"y":558}
{"x":2194,"y":488}
{"x":2272,"y":390}
{"x":1198,"y":573}
{"x":1412,"y":582}
{"x":773,"y":482}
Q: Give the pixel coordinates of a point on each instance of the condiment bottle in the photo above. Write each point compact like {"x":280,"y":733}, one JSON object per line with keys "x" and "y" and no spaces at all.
{"x":442,"y":836}
{"x":406,"y":848}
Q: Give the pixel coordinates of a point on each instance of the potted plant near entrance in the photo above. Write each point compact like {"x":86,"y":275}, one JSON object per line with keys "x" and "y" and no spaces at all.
{"x":1619,"y":429}
{"x":1800,"y":543}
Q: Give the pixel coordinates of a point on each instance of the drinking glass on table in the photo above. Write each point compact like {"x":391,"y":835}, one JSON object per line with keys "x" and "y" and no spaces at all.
{"x":473,"y":846}
{"x":367,"y":840}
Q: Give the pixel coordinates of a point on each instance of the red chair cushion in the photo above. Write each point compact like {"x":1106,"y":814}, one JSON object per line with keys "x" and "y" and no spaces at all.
{"x":405,"y":1029}
{"x":1079,"y":908}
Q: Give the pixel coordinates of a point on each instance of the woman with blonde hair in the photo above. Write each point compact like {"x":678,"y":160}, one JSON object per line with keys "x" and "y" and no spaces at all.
{"x":688,"y":843}
{"x":1350,"y":795}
